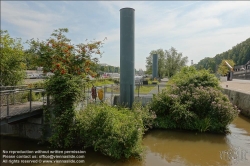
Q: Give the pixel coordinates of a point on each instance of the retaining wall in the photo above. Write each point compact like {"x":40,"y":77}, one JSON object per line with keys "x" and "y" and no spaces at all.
{"x":240,"y":99}
{"x":30,"y":128}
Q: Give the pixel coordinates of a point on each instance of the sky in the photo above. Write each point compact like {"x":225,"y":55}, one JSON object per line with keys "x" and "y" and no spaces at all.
{"x":197,"y":29}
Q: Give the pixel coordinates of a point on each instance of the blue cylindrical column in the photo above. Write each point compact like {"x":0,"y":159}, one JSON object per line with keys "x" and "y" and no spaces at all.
{"x":155,"y":66}
{"x":127,"y":56}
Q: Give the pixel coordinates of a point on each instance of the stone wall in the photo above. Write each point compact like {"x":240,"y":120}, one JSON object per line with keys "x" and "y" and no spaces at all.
{"x":30,"y":128}
{"x":240,"y":99}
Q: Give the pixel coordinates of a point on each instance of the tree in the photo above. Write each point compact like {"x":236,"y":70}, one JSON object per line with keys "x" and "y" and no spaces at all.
{"x":161,"y":61}
{"x":240,"y":54}
{"x":207,"y":63}
{"x":169,"y":62}
{"x":12,"y":60}
{"x":174,"y":61}
{"x":70,"y":64}
{"x":59,"y":56}
{"x":31,"y":60}
{"x":224,"y":68}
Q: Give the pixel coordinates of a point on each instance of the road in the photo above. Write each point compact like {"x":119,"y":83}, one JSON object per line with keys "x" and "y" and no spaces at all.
{"x":237,"y":85}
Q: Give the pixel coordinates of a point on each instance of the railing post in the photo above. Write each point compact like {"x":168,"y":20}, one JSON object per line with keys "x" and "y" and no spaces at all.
{"x":111,"y":95}
{"x":48,"y":100}
{"x":8,"y":108}
{"x":30,"y":99}
{"x":14,"y":97}
{"x":84,"y":92}
{"x":104,"y":93}
{"x":43,"y":96}
{"x":138,"y":89}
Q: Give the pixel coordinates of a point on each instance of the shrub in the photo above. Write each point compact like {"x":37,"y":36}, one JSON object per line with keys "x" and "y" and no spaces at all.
{"x":115,"y":131}
{"x":39,"y":84}
{"x":189,"y":75}
{"x":194,"y":102}
{"x":66,"y":90}
{"x":197,"y":108}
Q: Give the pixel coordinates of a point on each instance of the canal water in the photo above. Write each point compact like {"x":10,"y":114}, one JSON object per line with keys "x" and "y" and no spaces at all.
{"x":168,"y":148}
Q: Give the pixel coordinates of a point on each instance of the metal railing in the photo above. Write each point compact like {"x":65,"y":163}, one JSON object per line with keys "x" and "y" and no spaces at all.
{"x":112,"y":90}
{"x":18,"y":101}
{"x":22,"y":100}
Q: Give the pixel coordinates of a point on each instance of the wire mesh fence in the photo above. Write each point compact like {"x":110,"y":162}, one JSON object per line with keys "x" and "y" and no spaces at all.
{"x":110,"y":94}
{"x":15,"y":100}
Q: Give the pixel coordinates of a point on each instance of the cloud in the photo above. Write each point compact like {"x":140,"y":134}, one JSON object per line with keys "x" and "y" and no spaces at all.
{"x":27,"y":21}
{"x":197,"y":29}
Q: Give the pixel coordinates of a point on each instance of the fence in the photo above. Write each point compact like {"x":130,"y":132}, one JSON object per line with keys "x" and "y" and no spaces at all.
{"x":17,"y":101}
{"x":111,"y":93}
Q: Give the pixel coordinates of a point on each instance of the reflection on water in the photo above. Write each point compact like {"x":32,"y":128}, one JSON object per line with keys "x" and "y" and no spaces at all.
{"x":171,"y":148}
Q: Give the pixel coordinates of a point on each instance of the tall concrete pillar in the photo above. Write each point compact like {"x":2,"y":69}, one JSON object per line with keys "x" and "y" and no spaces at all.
{"x":155,"y":66}
{"x":127,"y":56}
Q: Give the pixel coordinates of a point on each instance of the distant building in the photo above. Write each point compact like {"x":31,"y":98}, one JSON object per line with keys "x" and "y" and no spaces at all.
{"x":242,"y":67}
{"x":247,"y":65}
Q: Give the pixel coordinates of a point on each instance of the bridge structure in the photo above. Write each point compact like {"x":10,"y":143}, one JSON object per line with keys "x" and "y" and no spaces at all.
{"x":19,"y":104}
{"x":22,"y":109}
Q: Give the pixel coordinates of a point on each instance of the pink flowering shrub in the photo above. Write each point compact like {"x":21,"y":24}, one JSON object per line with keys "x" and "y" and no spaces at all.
{"x":194,"y":107}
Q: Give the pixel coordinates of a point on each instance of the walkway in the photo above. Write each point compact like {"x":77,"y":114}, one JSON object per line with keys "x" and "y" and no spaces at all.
{"x":20,"y":108}
{"x":162,"y":85}
{"x":237,"y":85}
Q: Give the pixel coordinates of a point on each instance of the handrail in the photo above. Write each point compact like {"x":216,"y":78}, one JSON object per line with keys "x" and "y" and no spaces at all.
{"x":10,"y":98}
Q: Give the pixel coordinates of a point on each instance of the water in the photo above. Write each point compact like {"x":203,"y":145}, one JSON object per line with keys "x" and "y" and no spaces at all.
{"x":175,"y":148}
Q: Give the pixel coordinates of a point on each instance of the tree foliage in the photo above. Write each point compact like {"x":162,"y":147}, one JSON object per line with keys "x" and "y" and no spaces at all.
{"x":31,"y":60}
{"x":224,"y":68}
{"x":161,"y":62}
{"x":174,"y":61}
{"x":169,"y":62}
{"x":59,"y":56}
{"x":70,"y":65}
{"x":240,"y":54}
{"x":189,"y":75}
{"x":12,"y":60}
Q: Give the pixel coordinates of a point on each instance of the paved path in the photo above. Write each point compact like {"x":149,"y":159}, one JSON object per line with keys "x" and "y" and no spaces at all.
{"x":20,"y":108}
{"x":162,"y":85}
{"x":237,"y":85}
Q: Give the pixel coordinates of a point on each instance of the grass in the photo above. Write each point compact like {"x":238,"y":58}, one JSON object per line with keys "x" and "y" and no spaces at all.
{"x":100,"y":82}
{"x":142,"y":89}
{"x":104,"y":82}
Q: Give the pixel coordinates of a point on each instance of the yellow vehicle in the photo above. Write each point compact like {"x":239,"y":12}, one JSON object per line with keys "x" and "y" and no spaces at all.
{"x":100,"y":94}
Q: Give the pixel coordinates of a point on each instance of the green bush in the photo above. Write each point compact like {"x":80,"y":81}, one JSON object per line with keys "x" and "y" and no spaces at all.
{"x":196,"y":108}
{"x":39,"y":84}
{"x":114,"y":131}
{"x":189,"y":75}
{"x":66,"y":90}
{"x":194,"y":101}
